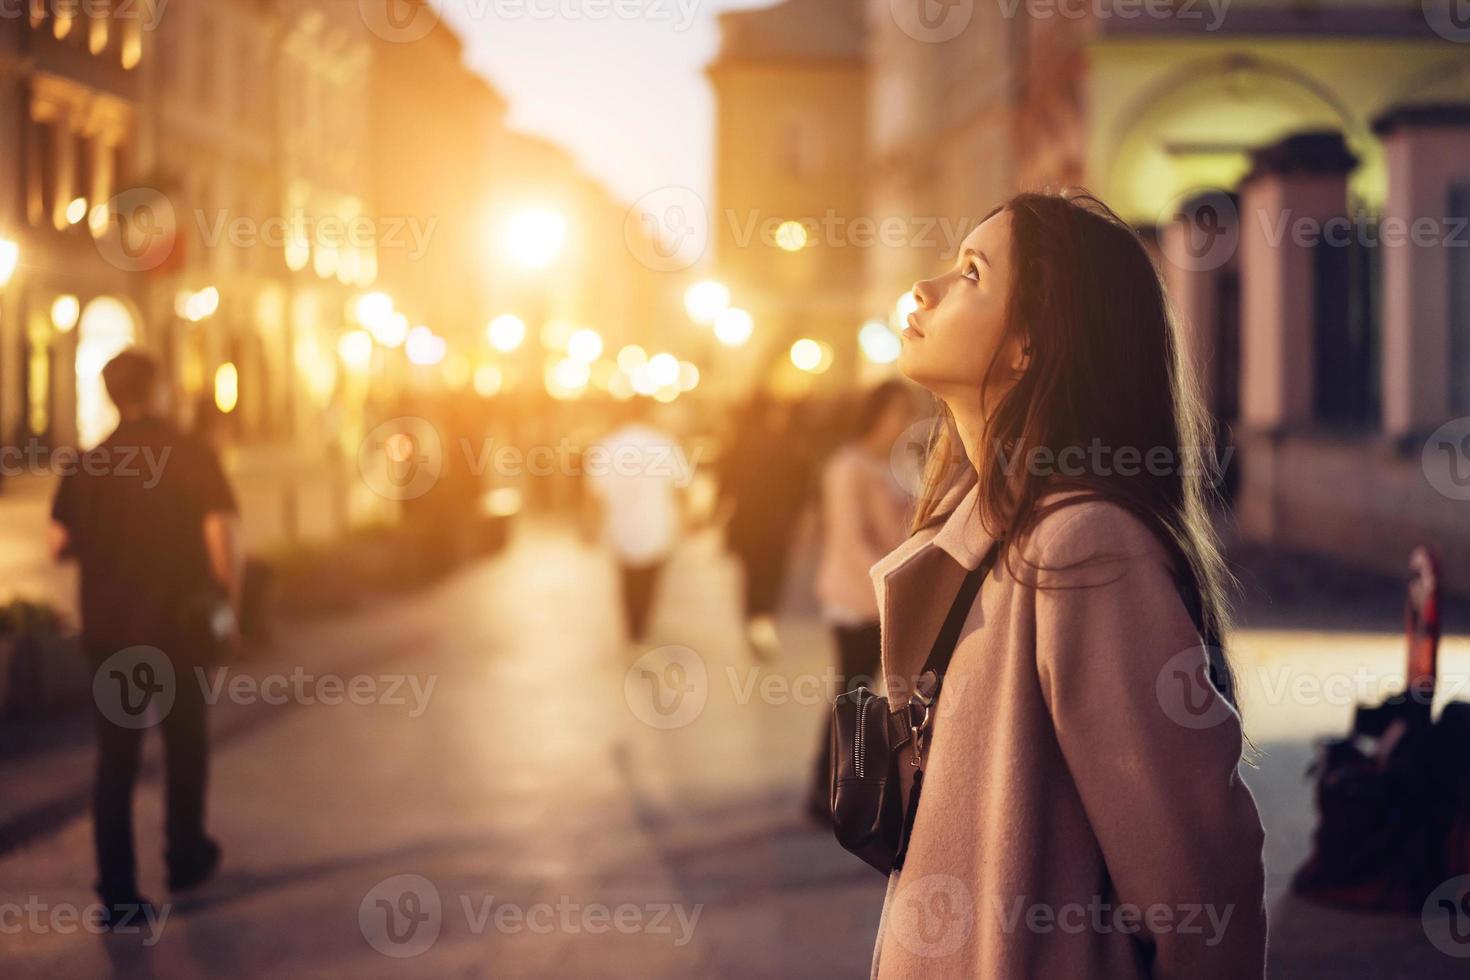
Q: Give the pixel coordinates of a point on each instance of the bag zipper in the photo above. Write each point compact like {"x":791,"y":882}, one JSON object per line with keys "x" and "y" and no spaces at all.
{"x":857,"y":750}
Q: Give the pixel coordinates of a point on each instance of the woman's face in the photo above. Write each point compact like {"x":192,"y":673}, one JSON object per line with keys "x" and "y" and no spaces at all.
{"x":960,"y":323}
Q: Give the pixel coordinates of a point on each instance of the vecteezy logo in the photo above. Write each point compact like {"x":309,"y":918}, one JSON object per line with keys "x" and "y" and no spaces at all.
{"x":1210,"y":232}
{"x":402,"y":458}
{"x":142,"y":232}
{"x":134,"y":688}
{"x":667,"y":687}
{"x":932,"y":21}
{"x":400,"y":21}
{"x":667,"y":230}
{"x":1187,"y":690}
{"x":401,"y":916}
{"x":1446,"y":917}
{"x":1446,"y":459}
{"x":1450,"y":19}
{"x":908,"y":456}
{"x":932,"y":915}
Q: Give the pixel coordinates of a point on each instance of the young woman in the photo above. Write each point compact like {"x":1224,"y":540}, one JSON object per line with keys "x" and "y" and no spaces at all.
{"x":1082,"y":814}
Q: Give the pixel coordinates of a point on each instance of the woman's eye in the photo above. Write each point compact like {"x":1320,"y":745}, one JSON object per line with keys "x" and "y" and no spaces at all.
{"x":972,"y":272}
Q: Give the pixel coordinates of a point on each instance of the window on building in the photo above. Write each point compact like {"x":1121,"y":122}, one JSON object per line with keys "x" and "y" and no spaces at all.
{"x":44,"y":170}
{"x":1460,"y":300}
{"x":1346,"y":330}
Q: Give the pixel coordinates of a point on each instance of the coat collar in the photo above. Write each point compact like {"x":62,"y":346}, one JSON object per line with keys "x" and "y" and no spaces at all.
{"x":916,"y":583}
{"x":962,"y":536}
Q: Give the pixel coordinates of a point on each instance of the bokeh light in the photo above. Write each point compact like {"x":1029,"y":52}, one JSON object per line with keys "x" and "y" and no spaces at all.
{"x":734,"y":327}
{"x":506,"y":332}
{"x":706,"y":300}
{"x":878,"y":343}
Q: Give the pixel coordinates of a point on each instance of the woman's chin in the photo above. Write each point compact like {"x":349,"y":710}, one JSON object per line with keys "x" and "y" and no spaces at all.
{"x":910,"y":364}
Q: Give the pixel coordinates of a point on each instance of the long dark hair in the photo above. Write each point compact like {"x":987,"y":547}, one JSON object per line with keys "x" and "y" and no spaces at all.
{"x":1105,"y":369}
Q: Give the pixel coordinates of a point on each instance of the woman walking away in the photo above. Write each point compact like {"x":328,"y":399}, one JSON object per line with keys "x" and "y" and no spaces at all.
{"x":864,"y":516}
{"x":1082,"y":813}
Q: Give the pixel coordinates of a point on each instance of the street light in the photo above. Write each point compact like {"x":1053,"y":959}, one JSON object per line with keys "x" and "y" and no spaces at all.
{"x":907,"y":303}
{"x":506,"y":332}
{"x":9,"y":259}
{"x":488,"y":380}
{"x":394,"y":330}
{"x":355,"y":347}
{"x":811,"y":356}
{"x":424,"y":347}
{"x":65,"y":312}
{"x":535,"y":238}
{"x":197,"y":307}
{"x":663,"y":369}
{"x":791,"y":236}
{"x":585,"y":345}
{"x":631,"y":358}
{"x":374,"y":311}
{"x":226,"y":387}
{"x":878,"y":343}
{"x":733,"y":327}
{"x":567,"y":379}
{"x":688,"y":376}
{"x":704,"y":301}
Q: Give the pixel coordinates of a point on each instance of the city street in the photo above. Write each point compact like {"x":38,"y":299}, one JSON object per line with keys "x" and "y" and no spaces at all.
{"x":557,"y":822}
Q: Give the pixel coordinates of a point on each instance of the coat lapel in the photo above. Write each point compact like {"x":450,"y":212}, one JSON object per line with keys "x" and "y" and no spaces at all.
{"x":917,"y":582}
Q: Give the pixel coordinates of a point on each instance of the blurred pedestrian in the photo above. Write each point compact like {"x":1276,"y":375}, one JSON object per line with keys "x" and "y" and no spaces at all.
{"x":765,"y":483}
{"x":635,"y":475}
{"x":865,"y":512}
{"x":212,"y":427}
{"x":150,"y":518}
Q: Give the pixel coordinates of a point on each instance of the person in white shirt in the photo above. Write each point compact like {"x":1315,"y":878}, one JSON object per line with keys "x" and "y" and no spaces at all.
{"x":635,"y":475}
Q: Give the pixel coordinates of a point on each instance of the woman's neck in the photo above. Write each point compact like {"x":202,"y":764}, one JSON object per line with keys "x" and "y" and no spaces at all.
{"x":971,"y":425}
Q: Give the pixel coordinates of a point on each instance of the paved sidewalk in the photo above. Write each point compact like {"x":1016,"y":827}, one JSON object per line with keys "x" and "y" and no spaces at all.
{"x":542,"y":793}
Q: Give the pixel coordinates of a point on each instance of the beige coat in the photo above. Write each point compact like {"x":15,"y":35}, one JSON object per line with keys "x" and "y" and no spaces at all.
{"x":1082,"y":816}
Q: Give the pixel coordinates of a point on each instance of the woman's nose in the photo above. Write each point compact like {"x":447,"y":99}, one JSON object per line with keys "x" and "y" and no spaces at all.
{"x":924,"y":293}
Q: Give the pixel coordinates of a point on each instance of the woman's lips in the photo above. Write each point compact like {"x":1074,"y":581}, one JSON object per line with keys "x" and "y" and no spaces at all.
{"x":912,"y":330}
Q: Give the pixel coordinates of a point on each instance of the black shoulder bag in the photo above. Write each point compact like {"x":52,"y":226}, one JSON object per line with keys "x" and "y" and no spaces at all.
{"x":868,"y":813}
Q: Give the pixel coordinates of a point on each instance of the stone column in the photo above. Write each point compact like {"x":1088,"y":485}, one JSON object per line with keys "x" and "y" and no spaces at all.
{"x":1293,"y":189}
{"x":1427,"y":150}
{"x":1199,"y":245}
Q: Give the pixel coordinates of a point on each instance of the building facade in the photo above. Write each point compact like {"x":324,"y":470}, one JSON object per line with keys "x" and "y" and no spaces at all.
{"x":223,"y":182}
{"x":1302,"y":172}
{"x":70,"y":92}
{"x":787,"y":221}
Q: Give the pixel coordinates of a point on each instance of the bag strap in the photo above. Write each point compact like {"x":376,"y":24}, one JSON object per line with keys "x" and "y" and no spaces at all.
{"x":938,"y":662}
{"x":949,"y":633}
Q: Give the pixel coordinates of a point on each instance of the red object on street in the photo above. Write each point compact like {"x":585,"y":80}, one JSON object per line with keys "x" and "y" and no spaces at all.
{"x":1393,"y":797}
{"x":1421,"y":622}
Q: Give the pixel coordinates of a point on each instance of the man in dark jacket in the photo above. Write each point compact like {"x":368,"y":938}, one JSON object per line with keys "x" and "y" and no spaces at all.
{"x":149,"y":516}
